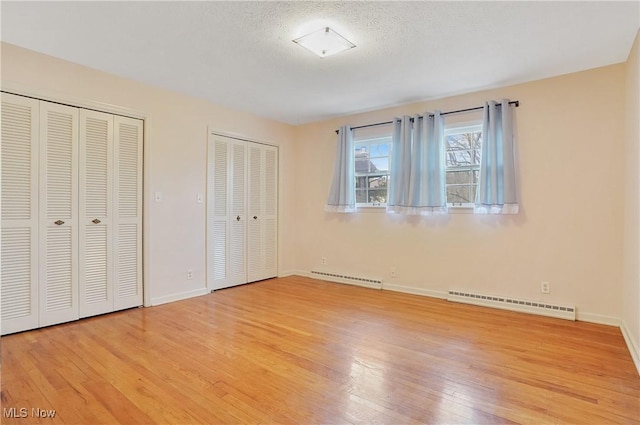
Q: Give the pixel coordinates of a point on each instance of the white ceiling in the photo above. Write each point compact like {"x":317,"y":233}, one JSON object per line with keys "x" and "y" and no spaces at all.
{"x":240,"y":54}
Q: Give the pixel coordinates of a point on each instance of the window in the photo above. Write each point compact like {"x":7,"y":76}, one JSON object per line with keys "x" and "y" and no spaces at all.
{"x":462,"y":152}
{"x":372,"y":171}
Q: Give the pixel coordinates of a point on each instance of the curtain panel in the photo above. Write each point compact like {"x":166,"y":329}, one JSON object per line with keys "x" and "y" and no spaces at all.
{"x":497,"y":192}
{"x":417,"y":179}
{"x":342,"y":197}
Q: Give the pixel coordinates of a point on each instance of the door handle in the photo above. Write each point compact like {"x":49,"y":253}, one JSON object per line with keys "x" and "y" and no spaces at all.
{"x":95,"y":221}
{"x":59,"y":222}
{"x":238,"y":218}
{"x":255,"y":217}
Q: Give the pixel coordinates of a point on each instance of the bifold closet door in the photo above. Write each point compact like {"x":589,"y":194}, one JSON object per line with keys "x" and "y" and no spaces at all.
{"x":58,"y":210}
{"x":127,"y":212}
{"x":96,"y":221}
{"x":227,"y":218}
{"x":262,"y":208}
{"x":19,"y":251}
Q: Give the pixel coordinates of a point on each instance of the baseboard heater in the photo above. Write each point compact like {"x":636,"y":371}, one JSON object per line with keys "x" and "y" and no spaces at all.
{"x":351,"y":280}
{"x":535,"y":307}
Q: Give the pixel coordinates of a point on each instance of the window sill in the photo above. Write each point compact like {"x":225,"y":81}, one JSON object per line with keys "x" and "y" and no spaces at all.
{"x":454,"y":209}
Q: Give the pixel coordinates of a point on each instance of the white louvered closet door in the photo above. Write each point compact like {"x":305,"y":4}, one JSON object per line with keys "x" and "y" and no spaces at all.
{"x":58,"y":210}
{"x":95,"y":220}
{"x":262,"y":240}
{"x":255,"y":211}
{"x":237,"y":200}
{"x":127,"y":212}
{"x":218,"y":212}
{"x":19,"y":251}
{"x":270,"y":213}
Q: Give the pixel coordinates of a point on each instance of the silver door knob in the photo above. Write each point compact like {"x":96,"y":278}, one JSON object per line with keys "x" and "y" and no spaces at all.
{"x":95,"y":221}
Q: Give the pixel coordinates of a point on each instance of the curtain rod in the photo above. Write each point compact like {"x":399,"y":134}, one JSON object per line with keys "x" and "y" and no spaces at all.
{"x":477,"y":108}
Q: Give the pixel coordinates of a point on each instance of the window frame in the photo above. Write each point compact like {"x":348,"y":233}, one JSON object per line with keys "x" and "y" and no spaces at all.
{"x":459,"y":128}
{"x":369,"y":141}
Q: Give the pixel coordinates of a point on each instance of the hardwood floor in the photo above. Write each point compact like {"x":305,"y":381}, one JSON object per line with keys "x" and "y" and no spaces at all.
{"x":303,"y":351}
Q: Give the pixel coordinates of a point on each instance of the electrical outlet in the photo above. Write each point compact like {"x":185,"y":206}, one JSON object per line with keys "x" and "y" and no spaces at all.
{"x":393,"y":272}
{"x":544,"y":287}
{"x":189,"y":274}
{"x":324,"y":261}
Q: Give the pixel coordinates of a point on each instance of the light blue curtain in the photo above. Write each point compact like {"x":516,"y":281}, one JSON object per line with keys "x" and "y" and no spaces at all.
{"x":417,"y":180}
{"x":400,"y":166}
{"x":342,"y":197}
{"x":497,"y":192}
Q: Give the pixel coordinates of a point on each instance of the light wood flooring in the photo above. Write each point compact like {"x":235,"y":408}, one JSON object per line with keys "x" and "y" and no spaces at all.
{"x":302,"y":351}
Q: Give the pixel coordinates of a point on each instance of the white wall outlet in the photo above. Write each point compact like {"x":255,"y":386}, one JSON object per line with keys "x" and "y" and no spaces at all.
{"x":324,"y":261}
{"x":189,"y":274}
{"x":544,"y":287}
{"x":393,"y":272}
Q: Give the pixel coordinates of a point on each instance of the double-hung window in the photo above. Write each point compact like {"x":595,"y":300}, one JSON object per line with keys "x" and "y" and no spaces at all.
{"x":462,"y":158}
{"x":372,"y":171}
{"x":462,"y":161}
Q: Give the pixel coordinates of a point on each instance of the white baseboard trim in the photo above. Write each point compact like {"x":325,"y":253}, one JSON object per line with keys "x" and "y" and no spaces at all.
{"x":415,"y":291}
{"x":632,"y":345}
{"x":179,"y":296}
{"x":597,"y":318}
{"x":288,"y":273}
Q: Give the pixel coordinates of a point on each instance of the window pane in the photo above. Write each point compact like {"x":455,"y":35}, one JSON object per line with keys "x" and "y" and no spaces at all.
{"x":473,"y":190}
{"x":458,"y":177}
{"x":380,"y":164}
{"x":458,"y":158}
{"x":377,"y":182}
{"x":458,"y":194}
{"x":379,"y":150}
{"x":378,"y":196}
{"x":361,"y":196}
{"x":458,"y":141}
{"x":476,"y":141}
{"x":362,"y":165}
{"x":361,"y":182}
{"x":476,"y":175}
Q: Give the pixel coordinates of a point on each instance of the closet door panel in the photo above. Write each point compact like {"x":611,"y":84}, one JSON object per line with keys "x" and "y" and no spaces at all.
{"x":19,"y":238}
{"x":58,"y":210}
{"x":238,"y":202}
{"x":127,"y":212}
{"x":95,"y":225}
{"x":218,"y":212}
{"x":255,"y":209}
{"x":269,"y":246}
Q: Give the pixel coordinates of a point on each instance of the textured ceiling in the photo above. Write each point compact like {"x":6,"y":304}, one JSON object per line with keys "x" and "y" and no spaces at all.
{"x":240,"y":54}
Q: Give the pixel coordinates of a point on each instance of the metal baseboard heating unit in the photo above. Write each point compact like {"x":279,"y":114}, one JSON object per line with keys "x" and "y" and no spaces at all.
{"x":534,"y":307}
{"x":351,"y":280}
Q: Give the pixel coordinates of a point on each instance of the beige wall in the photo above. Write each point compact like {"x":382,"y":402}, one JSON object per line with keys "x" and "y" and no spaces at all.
{"x":175,"y":153}
{"x":631,"y":278}
{"x":569,"y":231}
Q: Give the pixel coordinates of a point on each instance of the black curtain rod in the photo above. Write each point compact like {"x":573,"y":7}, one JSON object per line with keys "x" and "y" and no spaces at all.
{"x":513,"y":102}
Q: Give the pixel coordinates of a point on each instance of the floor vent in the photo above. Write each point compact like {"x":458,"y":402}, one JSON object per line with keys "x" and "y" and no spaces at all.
{"x":535,"y":307}
{"x":352,"y":280}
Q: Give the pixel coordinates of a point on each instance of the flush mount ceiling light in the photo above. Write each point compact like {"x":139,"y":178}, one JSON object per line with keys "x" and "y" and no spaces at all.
{"x":324,"y":42}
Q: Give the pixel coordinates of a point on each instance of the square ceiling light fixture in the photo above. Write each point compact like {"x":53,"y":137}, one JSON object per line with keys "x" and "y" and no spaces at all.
{"x":324,"y":42}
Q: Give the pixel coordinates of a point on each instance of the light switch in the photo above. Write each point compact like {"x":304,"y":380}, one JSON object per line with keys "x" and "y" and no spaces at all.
{"x":158,"y":196}
{"x":199,"y":198}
